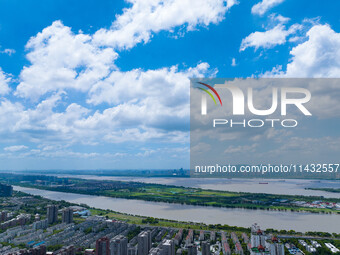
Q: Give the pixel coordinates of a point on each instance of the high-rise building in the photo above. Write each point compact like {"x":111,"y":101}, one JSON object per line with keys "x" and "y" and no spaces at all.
{"x":205,"y":248}
{"x":5,"y":190}
{"x":3,"y":216}
{"x":156,"y":251}
{"x":149,"y":239}
{"x":41,"y":224}
{"x":178,"y":237}
{"x":238,"y":249}
{"x":258,"y":238}
{"x":168,"y":247}
{"x":144,"y":243}
{"x":132,"y":251}
{"x":201,"y":238}
{"x":226,"y":248}
{"x":190,"y":237}
{"x":192,"y":249}
{"x":260,"y":243}
{"x":277,"y":249}
{"x":68,"y":250}
{"x":103,"y":246}
{"x":223,"y":237}
{"x":234,"y":237}
{"x":245,"y":238}
{"x":212,"y":236}
{"x":52,"y":214}
{"x":118,"y":245}
{"x":40,"y":250}
{"x":67,"y":215}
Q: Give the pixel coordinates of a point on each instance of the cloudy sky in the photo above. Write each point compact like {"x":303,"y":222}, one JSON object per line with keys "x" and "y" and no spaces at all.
{"x":105,"y":84}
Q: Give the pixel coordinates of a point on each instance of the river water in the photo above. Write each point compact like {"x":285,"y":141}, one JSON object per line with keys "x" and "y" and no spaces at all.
{"x":210,"y":215}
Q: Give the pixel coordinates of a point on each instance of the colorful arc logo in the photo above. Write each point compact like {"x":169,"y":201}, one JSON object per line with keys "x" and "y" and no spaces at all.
{"x":209,"y":93}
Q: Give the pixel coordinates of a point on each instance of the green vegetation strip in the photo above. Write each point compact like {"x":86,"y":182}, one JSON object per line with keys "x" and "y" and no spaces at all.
{"x":170,"y":194}
{"x":183,"y":195}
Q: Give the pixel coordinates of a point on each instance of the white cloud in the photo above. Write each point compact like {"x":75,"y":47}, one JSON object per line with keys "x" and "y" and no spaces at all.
{"x":15,"y":148}
{"x":5,"y":79}
{"x":61,"y":59}
{"x":145,"y":17}
{"x":10,"y":114}
{"x":295,"y":39}
{"x":200,"y":148}
{"x":9,"y":52}
{"x":152,"y":105}
{"x":263,"y":6}
{"x":136,"y":106}
{"x":143,"y":105}
{"x":233,"y":62}
{"x":319,"y":56}
{"x":166,"y":84}
{"x":307,"y":148}
{"x":270,"y":38}
{"x":241,"y":148}
{"x":146,"y":152}
{"x":316,"y":57}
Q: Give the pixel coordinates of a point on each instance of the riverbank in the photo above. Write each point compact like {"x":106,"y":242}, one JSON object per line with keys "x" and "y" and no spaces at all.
{"x":294,"y":187}
{"x":325,"y":189}
{"x":95,"y":225}
{"x":194,"y":196}
{"x":299,"y":222}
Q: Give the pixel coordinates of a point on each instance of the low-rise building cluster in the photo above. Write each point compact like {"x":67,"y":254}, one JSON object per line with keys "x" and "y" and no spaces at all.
{"x":317,"y":204}
{"x":63,"y":231}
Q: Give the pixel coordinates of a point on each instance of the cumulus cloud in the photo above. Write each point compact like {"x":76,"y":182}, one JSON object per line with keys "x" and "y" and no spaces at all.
{"x":9,"y":52}
{"x":270,"y":38}
{"x":5,"y":79}
{"x":307,"y":148}
{"x":15,"y":148}
{"x":152,"y":105}
{"x":169,"y":85}
{"x":145,"y":17}
{"x":318,"y":56}
{"x":137,"y":105}
{"x":148,"y":104}
{"x":263,"y":6}
{"x":241,"y":148}
{"x":111,"y":106}
{"x":62,"y":60}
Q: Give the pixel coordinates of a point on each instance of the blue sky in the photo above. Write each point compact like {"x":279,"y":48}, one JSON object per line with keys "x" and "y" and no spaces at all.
{"x":104,"y":84}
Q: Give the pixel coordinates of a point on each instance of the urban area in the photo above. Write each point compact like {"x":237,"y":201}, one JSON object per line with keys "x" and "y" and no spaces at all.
{"x":34,"y":225}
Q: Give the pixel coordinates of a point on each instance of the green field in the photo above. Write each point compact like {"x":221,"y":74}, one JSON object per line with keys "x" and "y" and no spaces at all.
{"x":191,"y":196}
{"x":173,"y":194}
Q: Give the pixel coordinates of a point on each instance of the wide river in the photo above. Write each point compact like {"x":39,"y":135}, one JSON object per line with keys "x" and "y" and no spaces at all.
{"x":210,"y":215}
{"x":272,"y":186}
